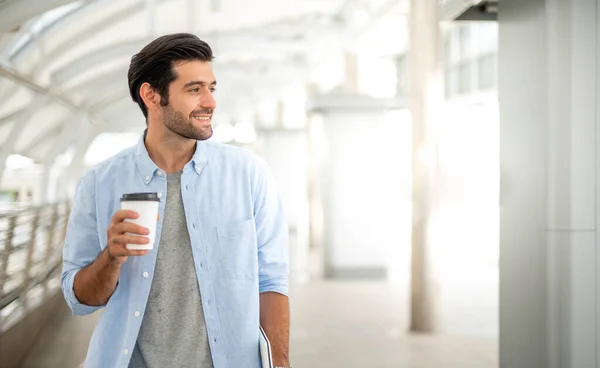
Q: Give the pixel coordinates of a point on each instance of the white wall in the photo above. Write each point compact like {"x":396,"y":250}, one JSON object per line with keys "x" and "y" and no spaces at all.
{"x":365,"y":191}
{"x":548,"y":237}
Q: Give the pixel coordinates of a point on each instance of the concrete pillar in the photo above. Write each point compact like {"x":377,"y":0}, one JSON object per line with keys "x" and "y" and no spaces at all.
{"x":280,"y":114}
{"x":314,"y":132}
{"x":351,"y":65}
{"x":43,"y":185}
{"x":548,"y":73}
{"x":315,"y":196}
{"x":402,"y":76}
{"x":425,"y":98}
{"x":23,"y":193}
{"x":523,"y":145}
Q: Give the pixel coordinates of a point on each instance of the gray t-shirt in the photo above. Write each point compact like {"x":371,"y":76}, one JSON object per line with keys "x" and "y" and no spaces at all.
{"x":173,"y":331}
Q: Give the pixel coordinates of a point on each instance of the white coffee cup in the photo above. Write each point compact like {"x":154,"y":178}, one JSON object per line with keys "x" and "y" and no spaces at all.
{"x":146,"y":205}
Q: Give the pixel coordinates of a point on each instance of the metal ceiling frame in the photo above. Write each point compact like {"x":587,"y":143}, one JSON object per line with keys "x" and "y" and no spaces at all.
{"x":8,"y":118}
{"x":22,"y":80}
{"x":26,"y":113}
{"x":127,"y":48}
{"x":130,"y":47}
{"x":88,"y":6}
{"x":88,"y":33}
{"x":18,"y":127}
{"x":46,"y":91}
{"x":17,"y":12}
{"x":237,"y":37}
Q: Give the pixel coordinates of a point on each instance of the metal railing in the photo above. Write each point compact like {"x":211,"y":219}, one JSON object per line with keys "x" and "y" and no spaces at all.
{"x":31,"y":242}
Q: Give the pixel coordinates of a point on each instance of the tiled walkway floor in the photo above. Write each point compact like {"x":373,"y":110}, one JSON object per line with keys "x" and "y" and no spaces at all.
{"x":342,"y":324}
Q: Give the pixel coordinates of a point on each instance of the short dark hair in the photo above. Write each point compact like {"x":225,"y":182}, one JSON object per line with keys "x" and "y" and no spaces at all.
{"x":154,"y":64}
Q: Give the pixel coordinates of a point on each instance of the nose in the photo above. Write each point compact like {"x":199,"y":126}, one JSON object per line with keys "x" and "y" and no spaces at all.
{"x":208,"y":101}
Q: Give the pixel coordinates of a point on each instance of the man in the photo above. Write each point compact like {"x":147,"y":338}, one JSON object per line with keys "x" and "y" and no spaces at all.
{"x":220,"y":267}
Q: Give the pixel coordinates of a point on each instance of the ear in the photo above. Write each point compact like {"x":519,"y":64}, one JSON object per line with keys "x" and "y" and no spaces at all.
{"x":150,"y":97}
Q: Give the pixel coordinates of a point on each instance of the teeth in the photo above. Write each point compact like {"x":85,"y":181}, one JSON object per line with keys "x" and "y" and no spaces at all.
{"x":201,"y":117}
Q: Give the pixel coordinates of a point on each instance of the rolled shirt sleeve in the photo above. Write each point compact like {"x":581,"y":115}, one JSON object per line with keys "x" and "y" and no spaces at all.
{"x":82,"y":244}
{"x":272,"y":234}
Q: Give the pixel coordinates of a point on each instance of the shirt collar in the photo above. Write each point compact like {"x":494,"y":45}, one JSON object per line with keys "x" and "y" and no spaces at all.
{"x":147,"y":168}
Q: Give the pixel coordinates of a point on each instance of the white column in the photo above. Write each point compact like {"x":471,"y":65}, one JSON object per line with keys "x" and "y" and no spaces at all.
{"x":280,"y":114}
{"x":522,"y":95}
{"x":402,"y":75}
{"x":23,"y":189}
{"x":351,"y":65}
{"x":43,"y":186}
{"x":425,"y":98}
{"x":549,"y":166}
{"x":314,"y":136}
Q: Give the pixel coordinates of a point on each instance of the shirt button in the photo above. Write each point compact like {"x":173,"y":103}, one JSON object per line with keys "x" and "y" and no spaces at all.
{"x":186,"y":187}
{"x":215,"y":340}
{"x":201,"y":265}
{"x":145,"y":274}
{"x":160,"y":173}
{"x":125,"y":351}
{"x":208,"y":301}
{"x":159,"y":195}
{"x":137,"y":314}
{"x":194,"y":226}
{"x":147,"y":178}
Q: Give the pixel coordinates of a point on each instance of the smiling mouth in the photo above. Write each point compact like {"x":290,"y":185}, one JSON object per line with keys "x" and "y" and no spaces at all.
{"x":202,"y":118}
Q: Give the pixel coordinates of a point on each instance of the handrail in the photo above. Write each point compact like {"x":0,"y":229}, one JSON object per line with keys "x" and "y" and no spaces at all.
{"x":24,"y":208}
{"x":30,"y":250}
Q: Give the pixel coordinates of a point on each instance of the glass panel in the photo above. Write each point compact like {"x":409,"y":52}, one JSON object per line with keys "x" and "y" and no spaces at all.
{"x":487,"y":72}
{"x":451,"y":85}
{"x":464,"y":78}
{"x":464,"y":41}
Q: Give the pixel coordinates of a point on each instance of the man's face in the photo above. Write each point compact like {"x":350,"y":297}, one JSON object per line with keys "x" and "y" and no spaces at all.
{"x":191,"y":101}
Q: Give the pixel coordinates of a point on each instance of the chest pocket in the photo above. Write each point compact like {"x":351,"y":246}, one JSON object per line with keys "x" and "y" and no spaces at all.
{"x":238,"y":252}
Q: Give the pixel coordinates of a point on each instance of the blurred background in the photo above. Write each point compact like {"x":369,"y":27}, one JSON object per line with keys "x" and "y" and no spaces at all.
{"x":436,"y":161}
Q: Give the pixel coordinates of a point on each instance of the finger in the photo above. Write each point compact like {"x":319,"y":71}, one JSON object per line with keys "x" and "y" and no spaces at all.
{"x":158,"y":217}
{"x":119,"y":250}
{"x":129,"y":227}
{"x":129,"y":239}
{"x":121,"y":215}
{"x":136,"y":253}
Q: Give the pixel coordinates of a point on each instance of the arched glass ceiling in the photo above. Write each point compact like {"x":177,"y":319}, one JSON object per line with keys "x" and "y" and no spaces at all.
{"x":63,"y":63}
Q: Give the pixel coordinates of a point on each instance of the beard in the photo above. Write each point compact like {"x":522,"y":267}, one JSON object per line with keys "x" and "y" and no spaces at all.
{"x":177,"y":123}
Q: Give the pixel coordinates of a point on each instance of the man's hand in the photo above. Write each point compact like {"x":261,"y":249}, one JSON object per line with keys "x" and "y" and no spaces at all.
{"x":120,"y":233}
{"x":94,"y":284}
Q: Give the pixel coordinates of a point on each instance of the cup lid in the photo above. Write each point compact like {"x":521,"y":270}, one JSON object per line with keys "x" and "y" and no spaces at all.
{"x":140,"y":197}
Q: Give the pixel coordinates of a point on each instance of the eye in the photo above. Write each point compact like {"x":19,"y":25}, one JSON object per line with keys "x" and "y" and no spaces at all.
{"x":195,"y":90}
{"x":213,"y":90}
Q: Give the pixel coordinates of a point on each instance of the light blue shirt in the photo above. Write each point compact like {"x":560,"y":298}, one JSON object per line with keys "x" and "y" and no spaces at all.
{"x":239,"y":242}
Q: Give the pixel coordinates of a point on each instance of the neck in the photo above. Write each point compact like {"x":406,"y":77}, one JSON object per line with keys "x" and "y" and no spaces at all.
{"x":168,"y":150}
